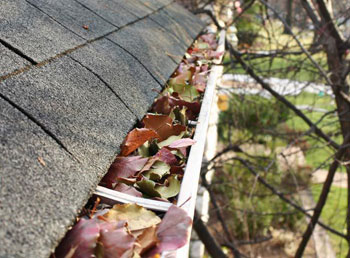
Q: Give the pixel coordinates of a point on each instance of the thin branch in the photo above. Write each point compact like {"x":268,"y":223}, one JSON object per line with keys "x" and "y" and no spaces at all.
{"x":289,"y":29}
{"x":210,"y":14}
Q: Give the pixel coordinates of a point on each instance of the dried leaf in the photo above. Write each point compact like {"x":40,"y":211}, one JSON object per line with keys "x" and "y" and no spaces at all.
{"x":179,"y":115}
{"x":123,"y":167}
{"x":148,"y":187}
{"x":136,"y":138}
{"x":182,"y":75}
{"x":162,"y":125}
{"x":136,"y":216}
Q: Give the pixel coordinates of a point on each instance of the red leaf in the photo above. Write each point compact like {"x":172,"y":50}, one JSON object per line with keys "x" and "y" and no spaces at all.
{"x":124,"y":167}
{"x":166,"y":156}
{"x":177,"y":170}
{"x":123,"y":188}
{"x":116,"y":243}
{"x":80,"y":241}
{"x":166,"y":103}
{"x":136,"y":138}
{"x":173,"y":231}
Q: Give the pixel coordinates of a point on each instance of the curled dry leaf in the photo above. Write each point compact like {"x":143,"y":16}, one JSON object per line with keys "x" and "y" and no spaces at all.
{"x":136,"y":138}
{"x":123,"y":167}
{"x":136,"y":216}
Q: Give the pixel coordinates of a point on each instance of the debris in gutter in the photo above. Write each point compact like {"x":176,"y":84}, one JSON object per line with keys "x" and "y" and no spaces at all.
{"x":151,"y":165}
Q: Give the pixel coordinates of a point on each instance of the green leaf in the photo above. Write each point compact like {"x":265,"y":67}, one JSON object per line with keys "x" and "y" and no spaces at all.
{"x":170,"y":188}
{"x":148,"y":187}
{"x":179,"y":115}
{"x":143,"y":150}
{"x":157,"y":171}
{"x":186,"y":92}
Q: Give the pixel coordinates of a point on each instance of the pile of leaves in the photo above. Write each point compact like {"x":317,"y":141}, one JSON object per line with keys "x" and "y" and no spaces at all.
{"x":125,"y":231}
{"x":152,"y":160}
{"x":151,"y":164}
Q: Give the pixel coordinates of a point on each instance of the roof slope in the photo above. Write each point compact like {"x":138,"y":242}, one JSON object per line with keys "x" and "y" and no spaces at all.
{"x":75,"y":76}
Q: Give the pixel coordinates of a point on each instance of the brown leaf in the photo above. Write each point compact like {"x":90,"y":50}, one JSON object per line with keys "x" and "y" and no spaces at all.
{"x":147,"y":240}
{"x":163,"y":126}
{"x":136,"y":138}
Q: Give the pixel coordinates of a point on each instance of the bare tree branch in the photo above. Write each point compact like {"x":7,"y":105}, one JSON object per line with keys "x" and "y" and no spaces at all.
{"x":213,"y":248}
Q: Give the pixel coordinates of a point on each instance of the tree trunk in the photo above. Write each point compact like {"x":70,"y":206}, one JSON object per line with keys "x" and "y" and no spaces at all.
{"x":289,"y":17}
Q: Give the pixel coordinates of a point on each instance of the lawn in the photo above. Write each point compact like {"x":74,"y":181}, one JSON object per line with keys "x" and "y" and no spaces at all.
{"x":334,"y":214}
{"x":318,"y":152}
{"x":298,"y":68}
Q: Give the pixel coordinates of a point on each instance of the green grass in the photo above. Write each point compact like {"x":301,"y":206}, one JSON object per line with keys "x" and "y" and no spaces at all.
{"x":318,"y":153}
{"x":295,"y":67}
{"x":334,"y":214}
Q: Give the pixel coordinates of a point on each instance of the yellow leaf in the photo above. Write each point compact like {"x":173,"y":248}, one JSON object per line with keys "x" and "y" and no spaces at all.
{"x":223,"y":102}
{"x":136,"y":216}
